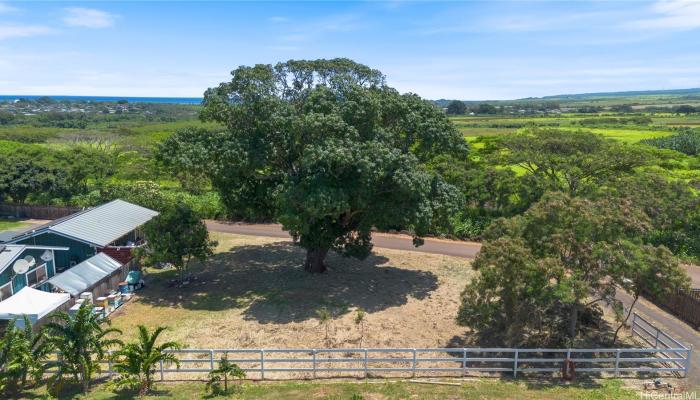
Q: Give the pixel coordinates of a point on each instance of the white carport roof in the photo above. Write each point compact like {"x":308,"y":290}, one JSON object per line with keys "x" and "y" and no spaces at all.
{"x":86,"y":274}
{"x":31,"y":302}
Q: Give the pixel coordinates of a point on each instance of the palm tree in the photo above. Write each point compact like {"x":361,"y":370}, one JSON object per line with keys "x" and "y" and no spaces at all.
{"x":22,"y":356}
{"x":82,"y":343}
{"x":136,"y":361}
{"x":226,"y":369}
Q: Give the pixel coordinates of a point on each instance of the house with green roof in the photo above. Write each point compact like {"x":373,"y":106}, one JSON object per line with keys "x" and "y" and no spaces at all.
{"x":112,"y":228}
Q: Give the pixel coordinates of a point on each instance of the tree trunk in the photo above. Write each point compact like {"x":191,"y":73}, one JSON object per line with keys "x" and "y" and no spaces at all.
{"x":314,"y":261}
{"x":624,"y":322}
{"x":573,"y":321}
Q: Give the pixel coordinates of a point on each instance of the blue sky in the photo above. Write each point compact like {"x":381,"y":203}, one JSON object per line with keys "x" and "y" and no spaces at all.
{"x":465,"y":50}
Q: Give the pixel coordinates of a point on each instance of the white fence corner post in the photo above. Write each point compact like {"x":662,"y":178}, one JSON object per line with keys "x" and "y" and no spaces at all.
{"x":211,"y":360}
{"x":689,"y":354}
{"x":515,"y":364}
{"x":262,"y":364}
{"x":617,"y":363}
{"x":414,"y":363}
{"x":313,"y":355}
{"x":162,"y":377}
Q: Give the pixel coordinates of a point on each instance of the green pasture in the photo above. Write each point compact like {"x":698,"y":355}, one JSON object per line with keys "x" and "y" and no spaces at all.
{"x":387,"y":390}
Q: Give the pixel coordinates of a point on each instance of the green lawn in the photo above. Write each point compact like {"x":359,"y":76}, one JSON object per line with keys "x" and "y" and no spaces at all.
{"x":476,"y":389}
{"x":11,"y":224}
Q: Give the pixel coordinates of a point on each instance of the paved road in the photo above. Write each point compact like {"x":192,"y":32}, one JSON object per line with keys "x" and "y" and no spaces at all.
{"x":383,"y":240}
{"x":678,"y":329}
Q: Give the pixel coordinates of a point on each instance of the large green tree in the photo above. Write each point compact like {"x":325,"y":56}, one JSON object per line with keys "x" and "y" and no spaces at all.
{"x":541,"y":271}
{"x":574,"y":162}
{"x":331,"y":152}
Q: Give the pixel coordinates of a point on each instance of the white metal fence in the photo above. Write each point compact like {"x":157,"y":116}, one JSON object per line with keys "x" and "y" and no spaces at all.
{"x":666,"y":355}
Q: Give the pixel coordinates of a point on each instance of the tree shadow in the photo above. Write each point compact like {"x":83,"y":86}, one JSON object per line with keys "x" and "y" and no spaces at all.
{"x":269,"y":283}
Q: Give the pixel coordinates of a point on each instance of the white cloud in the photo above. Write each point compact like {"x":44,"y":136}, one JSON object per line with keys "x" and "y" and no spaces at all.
{"x":678,"y":15}
{"x":88,"y":18}
{"x":18,"y":31}
{"x":6,"y":8}
{"x":278,"y":19}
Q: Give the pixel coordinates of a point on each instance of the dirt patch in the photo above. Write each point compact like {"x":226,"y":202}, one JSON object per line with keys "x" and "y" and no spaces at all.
{"x":255,"y":294}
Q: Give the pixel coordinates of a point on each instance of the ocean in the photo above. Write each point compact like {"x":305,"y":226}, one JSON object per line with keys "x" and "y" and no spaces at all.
{"x":168,"y":100}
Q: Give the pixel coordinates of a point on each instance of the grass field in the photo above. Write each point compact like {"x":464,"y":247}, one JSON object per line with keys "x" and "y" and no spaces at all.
{"x":9,"y":224}
{"x":473,"y":389}
{"x":477,"y":126}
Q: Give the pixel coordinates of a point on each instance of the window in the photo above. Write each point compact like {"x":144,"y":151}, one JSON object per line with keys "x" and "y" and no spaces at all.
{"x":6,"y":291}
{"x":37,"y":275}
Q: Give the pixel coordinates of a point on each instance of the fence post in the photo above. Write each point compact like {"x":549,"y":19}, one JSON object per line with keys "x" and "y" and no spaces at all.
{"x":414,"y":363}
{"x":211,"y":360}
{"x":689,"y":353}
{"x":366,"y":357}
{"x":634,"y":322}
{"x":464,"y":362}
{"x":617,"y":363}
{"x":656,"y":342}
{"x":262,"y":364}
{"x":515,"y":364}
{"x":162,"y":378}
{"x":313,"y":354}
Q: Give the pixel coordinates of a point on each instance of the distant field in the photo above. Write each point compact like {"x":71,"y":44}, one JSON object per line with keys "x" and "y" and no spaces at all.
{"x":475,"y":126}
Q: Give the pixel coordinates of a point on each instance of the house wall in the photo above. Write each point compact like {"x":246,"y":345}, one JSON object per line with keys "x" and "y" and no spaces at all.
{"x":78,"y":251}
{"x":20,"y":281}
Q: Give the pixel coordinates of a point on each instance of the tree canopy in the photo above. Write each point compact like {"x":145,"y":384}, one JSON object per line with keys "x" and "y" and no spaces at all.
{"x":456,"y":107}
{"x":574,"y":162}
{"x":177,"y":236}
{"x":330,"y":151}
{"x":542,"y":271}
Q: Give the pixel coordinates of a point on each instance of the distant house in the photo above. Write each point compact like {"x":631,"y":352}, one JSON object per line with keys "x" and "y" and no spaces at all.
{"x":38,"y":263}
{"x":112,"y":228}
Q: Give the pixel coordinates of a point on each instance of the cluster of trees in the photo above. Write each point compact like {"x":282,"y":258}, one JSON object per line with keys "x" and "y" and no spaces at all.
{"x":457,"y":107}
{"x":686,"y":141}
{"x":86,"y":175}
{"x":84,"y":342}
{"x":580,"y":221}
{"x":627,"y":120}
{"x":30,"y":175}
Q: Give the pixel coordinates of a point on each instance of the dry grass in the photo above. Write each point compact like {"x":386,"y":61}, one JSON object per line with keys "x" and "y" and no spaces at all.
{"x":254,"y":293}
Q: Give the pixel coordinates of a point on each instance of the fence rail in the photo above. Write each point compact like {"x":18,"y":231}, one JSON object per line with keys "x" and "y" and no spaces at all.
{"x":666,"y":355}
